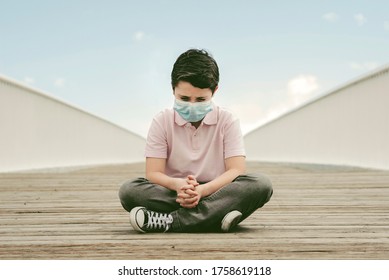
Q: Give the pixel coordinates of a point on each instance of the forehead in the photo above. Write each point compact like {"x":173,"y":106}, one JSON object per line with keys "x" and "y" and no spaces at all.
{"x":186,"y":89}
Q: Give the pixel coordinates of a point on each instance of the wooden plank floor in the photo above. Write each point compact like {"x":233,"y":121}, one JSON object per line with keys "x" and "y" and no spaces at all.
{"x":317,"y":212}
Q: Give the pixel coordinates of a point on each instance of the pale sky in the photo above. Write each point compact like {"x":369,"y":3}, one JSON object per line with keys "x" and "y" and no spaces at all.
{"x":114,"y":58}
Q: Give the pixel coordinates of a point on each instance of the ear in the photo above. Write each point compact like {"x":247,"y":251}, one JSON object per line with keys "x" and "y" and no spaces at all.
{"x":216,"y":88}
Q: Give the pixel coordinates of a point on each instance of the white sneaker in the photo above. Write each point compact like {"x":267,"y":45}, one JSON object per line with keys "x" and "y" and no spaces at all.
{"x":230,"y":220}
{"x":144,"y":220}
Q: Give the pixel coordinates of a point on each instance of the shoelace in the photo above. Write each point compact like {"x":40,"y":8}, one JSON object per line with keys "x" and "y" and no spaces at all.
{"x":159,"y":220}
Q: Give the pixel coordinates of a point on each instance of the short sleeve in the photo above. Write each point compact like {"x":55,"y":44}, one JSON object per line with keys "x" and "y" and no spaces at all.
{"x":233,"y":139}
{"x":156,"y":143}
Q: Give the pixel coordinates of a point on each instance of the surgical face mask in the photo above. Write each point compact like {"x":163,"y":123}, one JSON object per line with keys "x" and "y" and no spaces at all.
{"x":192,"y":112}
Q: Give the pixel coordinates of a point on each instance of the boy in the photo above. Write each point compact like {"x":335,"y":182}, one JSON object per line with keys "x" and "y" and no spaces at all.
{"x":195,"y":161}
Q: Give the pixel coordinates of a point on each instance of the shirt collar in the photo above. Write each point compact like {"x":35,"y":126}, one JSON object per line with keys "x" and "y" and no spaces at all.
{"x":209,"y":119}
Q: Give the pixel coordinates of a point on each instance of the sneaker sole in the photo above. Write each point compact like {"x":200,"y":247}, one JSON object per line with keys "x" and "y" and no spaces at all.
{"x":133,"y":221}
{"x":231,"y":220}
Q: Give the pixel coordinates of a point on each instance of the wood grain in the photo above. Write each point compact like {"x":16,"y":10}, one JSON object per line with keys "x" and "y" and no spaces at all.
{"x":316,"y":212}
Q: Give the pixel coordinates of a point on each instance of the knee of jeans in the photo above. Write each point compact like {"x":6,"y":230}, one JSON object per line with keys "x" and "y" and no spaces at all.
{"x":128,"y":191}
{"x":262,"y":186}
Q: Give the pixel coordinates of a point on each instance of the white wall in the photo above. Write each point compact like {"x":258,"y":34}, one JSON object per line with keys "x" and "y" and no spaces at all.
{"x":348,"y":126}
{"x":38,"y":131}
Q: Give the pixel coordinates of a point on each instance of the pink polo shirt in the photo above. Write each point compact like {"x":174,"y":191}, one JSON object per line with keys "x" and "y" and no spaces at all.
{"x":190,"y":151}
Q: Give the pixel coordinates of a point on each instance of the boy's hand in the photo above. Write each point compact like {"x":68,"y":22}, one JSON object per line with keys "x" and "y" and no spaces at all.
{"x":188,"y":196}
{"x":191,"y":180}
{"x":194,"y":197}
{"x":184,"y":194}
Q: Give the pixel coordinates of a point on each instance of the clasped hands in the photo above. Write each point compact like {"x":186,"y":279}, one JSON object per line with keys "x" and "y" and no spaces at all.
{"x":189,"y":192}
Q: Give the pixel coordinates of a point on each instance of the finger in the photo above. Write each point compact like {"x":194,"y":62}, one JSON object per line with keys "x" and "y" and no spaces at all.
{"x":180,"y":201}
{"x":184,"y":195}
{"x":192,"y":182}
{"x":191,"y":179}
{"x":191,"y":193}
{"x":192,"y":199}
{"x":184,"y":189}
{"x":188,"y":187}
{"x":189,"y":205}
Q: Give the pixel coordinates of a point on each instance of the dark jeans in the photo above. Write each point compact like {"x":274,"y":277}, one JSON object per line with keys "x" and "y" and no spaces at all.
{"x":246,"y":194}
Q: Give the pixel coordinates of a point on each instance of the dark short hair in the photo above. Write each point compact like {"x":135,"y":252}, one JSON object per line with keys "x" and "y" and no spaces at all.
{"x":196,"y":67}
